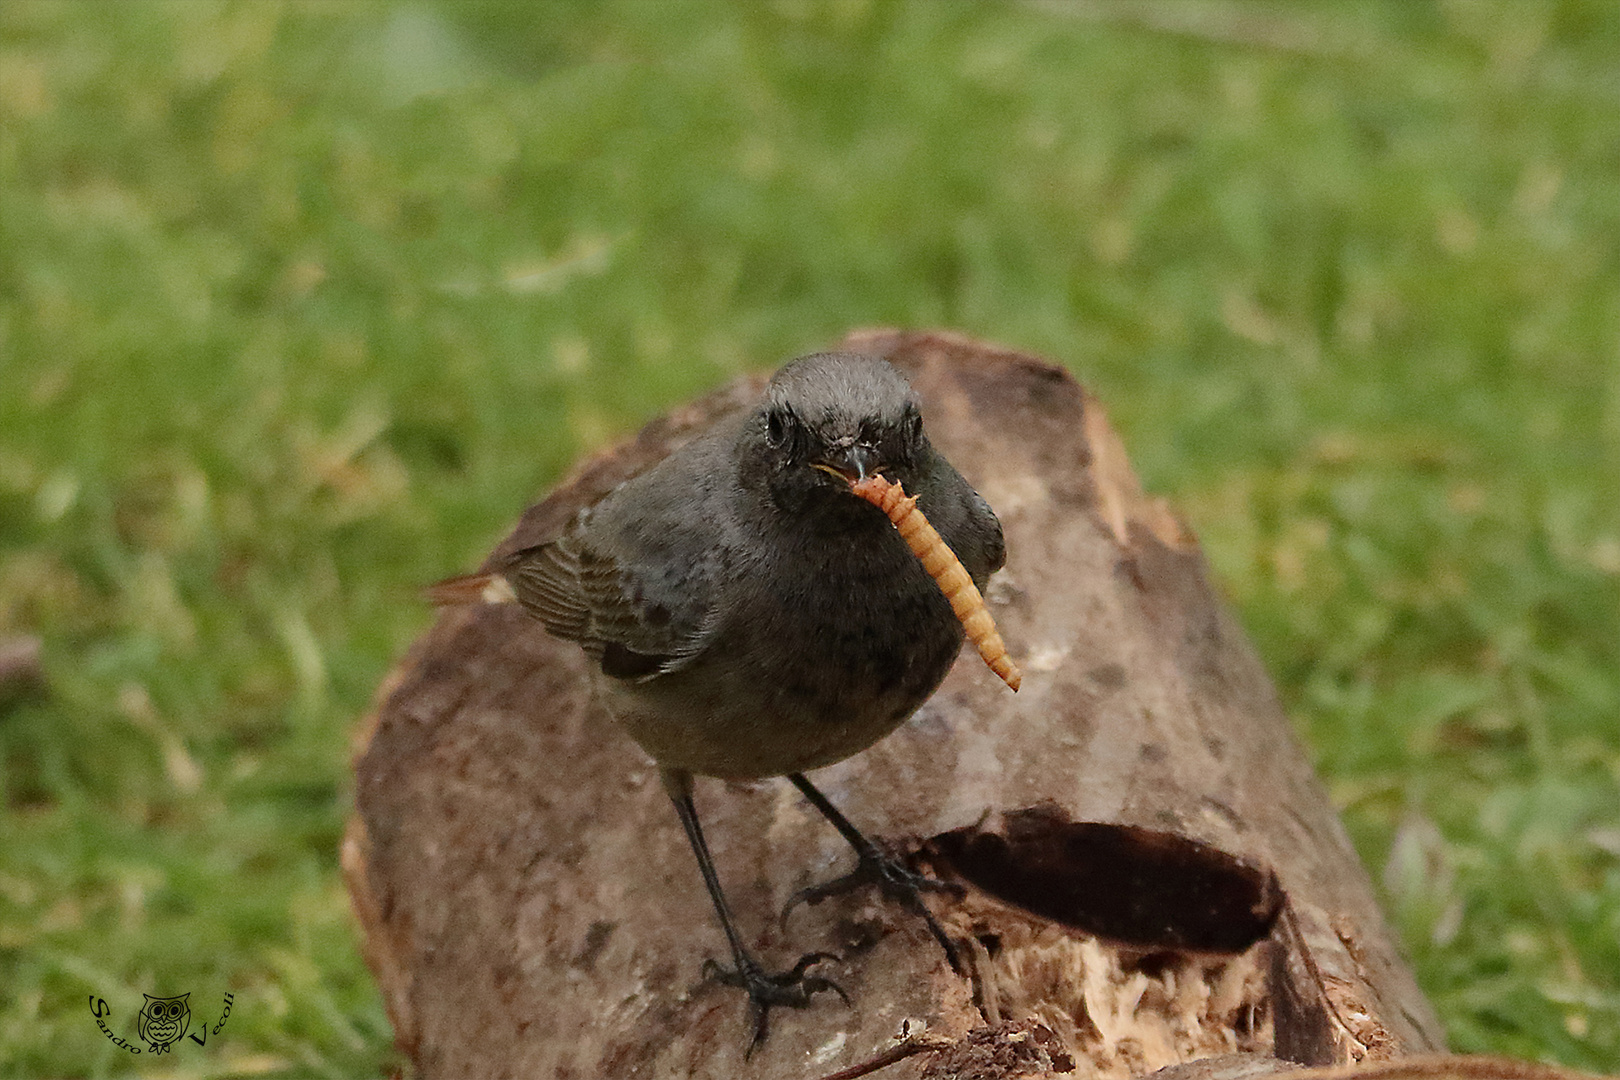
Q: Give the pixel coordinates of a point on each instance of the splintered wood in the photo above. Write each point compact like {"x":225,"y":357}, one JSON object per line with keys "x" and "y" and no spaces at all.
{"x":1117,"y":1012}
{"x":946,"y":570}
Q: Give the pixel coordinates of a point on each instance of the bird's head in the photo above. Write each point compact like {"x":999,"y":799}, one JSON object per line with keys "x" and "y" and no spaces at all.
{"x":830,"y":419}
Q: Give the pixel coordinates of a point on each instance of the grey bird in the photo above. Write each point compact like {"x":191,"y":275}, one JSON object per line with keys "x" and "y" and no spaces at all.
{"x":748,"y":616}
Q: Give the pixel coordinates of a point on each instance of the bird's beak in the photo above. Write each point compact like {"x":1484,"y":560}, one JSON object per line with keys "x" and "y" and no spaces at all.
{"x":852,"y":463}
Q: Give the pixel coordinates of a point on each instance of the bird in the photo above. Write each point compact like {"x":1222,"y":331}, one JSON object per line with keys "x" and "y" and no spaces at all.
{"x":747,"y":616}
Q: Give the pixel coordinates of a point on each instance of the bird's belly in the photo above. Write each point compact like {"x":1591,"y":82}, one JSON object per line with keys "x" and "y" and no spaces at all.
{"x":814,"y":701}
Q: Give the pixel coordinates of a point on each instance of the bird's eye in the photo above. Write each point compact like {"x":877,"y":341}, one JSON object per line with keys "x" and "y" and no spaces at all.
{"x":775,"y":427}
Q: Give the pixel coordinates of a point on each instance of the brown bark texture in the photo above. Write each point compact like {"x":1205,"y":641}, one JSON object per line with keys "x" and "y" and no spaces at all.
{"x":1152,"y":874}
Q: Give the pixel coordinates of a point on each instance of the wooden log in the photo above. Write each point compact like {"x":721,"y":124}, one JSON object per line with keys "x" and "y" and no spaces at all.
{"x":1154,"y":876}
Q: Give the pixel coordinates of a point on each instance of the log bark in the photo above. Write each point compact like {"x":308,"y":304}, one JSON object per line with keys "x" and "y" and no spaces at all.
{"x":1153,"y":874}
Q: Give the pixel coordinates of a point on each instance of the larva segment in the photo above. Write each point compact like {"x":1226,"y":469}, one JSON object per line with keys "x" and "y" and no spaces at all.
{"x":946,"y":570}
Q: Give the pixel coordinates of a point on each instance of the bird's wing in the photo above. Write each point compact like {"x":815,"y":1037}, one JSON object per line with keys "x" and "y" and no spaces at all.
{"x":995,"y":546}
{"x":962,"y":516}
{"x":633,"y":624}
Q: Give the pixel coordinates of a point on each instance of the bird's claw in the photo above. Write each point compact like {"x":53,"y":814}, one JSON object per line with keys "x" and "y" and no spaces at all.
{"x":793,"y":988}
{"x":896,"y":881}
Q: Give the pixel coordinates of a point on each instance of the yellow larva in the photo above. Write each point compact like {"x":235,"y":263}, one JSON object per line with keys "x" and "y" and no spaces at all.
{"x":946,"y":570}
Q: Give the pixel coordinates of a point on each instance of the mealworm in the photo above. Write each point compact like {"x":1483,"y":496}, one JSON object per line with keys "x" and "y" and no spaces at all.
{"x":946,"y":570}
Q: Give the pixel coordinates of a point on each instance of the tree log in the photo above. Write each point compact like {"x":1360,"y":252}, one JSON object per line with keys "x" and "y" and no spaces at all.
{"x":1152,"y":873}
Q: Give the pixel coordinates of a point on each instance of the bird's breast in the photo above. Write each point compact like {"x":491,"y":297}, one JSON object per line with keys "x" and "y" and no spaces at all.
{"x":860,"y":641}
{"x":811,"y":665}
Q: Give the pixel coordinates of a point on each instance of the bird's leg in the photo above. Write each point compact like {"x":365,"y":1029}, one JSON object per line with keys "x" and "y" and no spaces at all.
{"x":892,"y":877}
{"x":792,"y":987}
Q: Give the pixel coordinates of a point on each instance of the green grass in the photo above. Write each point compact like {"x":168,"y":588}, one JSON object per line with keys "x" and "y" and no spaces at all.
{"x":300,"y":304}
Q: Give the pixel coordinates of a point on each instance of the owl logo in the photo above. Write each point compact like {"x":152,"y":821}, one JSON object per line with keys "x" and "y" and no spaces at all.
{"x":163,"y":1021}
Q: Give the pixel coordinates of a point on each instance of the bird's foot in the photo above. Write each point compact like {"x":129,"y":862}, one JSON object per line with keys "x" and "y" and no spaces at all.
{"x":793,"y":988}
{"x":896,"y":881}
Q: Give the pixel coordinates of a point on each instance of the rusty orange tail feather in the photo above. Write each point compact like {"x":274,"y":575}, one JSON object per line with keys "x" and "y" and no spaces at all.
{"x":470,"y":589}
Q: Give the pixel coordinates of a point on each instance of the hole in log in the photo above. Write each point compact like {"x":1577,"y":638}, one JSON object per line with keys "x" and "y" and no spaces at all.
{"x":1141,"y":887}
{"x":1138,"y":948}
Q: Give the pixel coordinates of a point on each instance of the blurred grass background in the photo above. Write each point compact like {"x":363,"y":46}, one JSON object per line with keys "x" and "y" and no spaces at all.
{"x":301,"y":303}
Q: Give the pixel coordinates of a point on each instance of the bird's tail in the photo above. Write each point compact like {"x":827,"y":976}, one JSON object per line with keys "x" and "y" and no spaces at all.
{"x":471,"y":589}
